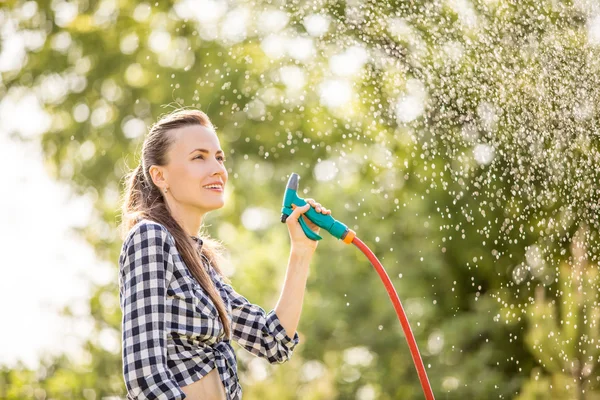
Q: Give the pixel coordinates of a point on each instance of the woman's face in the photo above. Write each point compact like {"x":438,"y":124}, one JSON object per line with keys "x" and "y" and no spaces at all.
{"x":195,"y":160}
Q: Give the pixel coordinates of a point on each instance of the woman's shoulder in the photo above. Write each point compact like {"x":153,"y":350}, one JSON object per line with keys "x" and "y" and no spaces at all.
{"x":144,"y":238}
{"x":146,"y":229}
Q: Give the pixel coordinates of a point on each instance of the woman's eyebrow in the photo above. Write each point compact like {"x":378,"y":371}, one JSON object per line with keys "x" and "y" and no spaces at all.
{"x":206,"y":151}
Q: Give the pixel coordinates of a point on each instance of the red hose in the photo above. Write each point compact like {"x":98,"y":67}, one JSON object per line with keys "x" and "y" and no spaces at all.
{"x":412,"y":344}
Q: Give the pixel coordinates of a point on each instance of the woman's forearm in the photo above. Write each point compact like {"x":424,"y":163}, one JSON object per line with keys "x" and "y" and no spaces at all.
{"x":289,"y":306}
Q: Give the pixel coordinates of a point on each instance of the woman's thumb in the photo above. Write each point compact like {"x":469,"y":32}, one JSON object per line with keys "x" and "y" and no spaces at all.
{"x":298,"y":211}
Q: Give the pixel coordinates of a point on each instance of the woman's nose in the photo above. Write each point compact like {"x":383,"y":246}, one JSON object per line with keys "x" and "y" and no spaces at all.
{"x":221,"y":168}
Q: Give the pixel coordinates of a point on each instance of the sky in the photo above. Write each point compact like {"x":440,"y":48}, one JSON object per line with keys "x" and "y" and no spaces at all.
{"x":44,"y":265}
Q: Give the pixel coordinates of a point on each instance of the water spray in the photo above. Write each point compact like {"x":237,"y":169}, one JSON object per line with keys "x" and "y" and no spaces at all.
{"x":347,"y":235}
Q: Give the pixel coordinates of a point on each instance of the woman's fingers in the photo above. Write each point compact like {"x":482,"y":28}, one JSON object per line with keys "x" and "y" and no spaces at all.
{"x":317,"y":206}
{"x":296,"y":213}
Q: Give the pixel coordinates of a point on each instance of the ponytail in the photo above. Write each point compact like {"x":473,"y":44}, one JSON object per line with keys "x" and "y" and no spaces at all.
{"x":132,"y":209}
{"x":140,"y":176}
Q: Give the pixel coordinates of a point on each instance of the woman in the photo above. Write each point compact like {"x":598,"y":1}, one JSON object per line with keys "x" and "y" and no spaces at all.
{"x":179,"y":314}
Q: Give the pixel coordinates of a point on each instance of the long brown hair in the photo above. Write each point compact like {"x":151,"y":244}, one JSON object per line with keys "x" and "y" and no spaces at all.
{"x":144,"y":200}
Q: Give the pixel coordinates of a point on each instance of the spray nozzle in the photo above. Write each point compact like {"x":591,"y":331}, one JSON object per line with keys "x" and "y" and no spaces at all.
{"x":327,"y":222}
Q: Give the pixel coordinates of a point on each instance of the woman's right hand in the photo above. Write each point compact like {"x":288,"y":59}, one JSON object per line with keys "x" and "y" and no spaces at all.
{"x":300,"y":241}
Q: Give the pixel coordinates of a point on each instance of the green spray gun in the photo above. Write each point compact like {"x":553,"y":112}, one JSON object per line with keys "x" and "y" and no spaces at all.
{"x":347,"y":235}
{"x":327,"y":222}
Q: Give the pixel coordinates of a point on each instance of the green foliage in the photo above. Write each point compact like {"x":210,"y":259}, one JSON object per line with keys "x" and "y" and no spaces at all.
{"x":450,"y":231}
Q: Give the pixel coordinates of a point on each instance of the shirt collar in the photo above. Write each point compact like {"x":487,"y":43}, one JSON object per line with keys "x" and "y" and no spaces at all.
{"x":198,"y":241}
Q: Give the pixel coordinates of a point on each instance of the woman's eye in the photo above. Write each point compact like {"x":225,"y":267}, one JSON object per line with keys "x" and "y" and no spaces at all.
{"x":220,"y":158}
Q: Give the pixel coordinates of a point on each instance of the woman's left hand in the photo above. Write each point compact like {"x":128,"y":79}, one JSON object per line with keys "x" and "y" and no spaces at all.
{"x":299,"y":239}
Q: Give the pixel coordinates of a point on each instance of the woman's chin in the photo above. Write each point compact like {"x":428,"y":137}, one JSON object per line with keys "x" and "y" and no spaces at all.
{"x":212,"y":205}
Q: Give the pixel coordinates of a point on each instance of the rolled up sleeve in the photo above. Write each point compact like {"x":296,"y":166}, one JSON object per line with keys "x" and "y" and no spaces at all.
{"x":144,"y":270}
{"x":259,"y":332}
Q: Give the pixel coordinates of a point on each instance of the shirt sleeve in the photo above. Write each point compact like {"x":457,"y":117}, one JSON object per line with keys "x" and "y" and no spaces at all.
{"x":144,"y":270}
{"x":259,"y":332}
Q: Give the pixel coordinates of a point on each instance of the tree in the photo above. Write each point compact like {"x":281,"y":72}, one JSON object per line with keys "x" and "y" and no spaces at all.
{"x":460,"y":134}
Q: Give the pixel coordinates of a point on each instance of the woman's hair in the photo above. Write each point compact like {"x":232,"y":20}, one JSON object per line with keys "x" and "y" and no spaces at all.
{"x":144,"y":200}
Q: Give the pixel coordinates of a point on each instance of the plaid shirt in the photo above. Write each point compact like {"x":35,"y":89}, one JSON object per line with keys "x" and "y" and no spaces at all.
{"x":172,"y":333}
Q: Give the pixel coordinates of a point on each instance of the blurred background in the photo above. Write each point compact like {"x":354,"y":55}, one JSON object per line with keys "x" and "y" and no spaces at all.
{"x":458,"y":138}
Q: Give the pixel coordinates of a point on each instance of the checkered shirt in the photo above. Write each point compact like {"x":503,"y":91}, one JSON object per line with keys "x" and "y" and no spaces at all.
{"x":172,"y":333}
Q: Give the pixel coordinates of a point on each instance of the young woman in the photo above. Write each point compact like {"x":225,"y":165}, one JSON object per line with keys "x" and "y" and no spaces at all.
{"x":180,"y":312}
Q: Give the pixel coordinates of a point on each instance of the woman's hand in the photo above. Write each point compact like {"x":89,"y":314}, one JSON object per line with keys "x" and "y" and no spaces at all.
{"x":299,"y":239}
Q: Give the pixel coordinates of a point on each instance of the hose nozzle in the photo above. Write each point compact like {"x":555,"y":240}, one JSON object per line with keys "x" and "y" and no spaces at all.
{"x":327,"y":222}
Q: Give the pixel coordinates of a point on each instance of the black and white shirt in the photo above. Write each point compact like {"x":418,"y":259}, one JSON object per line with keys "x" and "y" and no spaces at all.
{"x":172,"y":333}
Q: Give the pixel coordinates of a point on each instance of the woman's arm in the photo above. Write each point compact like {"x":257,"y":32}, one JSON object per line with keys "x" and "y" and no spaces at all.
{"x":257,"y":331}
{"x":144,"y":268}
{"x":274,"y":335}
{"x":289,"y":306}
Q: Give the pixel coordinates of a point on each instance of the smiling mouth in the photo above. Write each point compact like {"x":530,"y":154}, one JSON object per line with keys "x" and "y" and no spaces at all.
{"x":215,"y":189}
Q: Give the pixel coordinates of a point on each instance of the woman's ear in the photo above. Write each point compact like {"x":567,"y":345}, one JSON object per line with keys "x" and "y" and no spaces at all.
{"x":158,"y":176}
